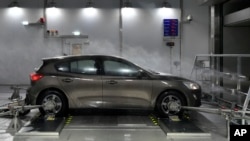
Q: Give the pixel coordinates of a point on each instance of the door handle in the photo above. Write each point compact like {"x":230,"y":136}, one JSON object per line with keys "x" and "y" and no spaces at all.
{"x":112,"y":82}
{"x":67,"y":80}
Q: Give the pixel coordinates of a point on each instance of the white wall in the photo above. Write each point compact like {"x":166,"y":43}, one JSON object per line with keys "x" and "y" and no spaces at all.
{"x":22,"y":47}
{"x":195,"y":37}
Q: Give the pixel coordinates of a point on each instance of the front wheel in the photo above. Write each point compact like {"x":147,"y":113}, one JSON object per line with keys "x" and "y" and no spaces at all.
{"x":170,"y":103}
{"x":53,"y":102}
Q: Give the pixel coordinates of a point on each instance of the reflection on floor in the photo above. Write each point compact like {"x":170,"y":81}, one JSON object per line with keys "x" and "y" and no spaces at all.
{"x":117,"y":125}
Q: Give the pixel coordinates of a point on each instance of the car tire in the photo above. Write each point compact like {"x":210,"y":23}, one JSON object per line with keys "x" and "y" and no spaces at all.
{"x":55,"y":100}
{"x":163,"y":100}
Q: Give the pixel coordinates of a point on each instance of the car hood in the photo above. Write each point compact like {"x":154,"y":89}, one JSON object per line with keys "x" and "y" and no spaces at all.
{"x":166,"y":76}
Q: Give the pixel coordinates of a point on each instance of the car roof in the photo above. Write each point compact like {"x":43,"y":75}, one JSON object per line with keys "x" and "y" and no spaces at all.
{"x":79,"y":56}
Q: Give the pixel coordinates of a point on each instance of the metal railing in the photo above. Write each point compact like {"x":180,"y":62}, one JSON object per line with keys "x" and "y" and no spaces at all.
{"x":210,"y":72}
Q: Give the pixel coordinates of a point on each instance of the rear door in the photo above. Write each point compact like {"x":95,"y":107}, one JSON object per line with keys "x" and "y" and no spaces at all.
{"x":81,"y":81}
{"x":122,"y":88}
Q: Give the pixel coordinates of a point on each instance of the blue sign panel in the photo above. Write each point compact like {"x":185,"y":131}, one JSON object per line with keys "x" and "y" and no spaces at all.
{"x":170,"y":27}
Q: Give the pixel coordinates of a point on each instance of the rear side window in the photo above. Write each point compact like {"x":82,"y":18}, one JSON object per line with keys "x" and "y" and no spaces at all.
{"x":63,"y":67}
{"x":83,"y":66}
{"x":38,"y":68}
{"x":86,"y":66}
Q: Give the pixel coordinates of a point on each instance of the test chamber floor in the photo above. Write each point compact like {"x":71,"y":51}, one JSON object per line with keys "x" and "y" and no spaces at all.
{"x":96,"y":127}
{"x":113,"y":128}
{"x":117,"y":127}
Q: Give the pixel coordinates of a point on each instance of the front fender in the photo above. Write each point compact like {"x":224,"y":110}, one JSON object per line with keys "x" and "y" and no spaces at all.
{"x":159,"y":87}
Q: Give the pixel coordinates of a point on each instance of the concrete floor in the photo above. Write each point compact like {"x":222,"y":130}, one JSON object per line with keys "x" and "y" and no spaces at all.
{"x":80,"y":130}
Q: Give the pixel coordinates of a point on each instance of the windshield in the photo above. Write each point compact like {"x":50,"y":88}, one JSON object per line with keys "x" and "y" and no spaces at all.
{"x":152,"y":71}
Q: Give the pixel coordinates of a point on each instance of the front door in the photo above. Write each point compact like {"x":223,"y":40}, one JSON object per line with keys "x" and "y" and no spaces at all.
{"x":121,"y":86}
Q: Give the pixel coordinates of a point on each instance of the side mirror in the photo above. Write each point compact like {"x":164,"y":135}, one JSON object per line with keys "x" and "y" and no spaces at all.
{"x":140,"y":74}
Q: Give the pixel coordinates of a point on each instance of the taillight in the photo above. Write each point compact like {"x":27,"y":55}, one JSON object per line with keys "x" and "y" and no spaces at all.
{"x":35,"y":76}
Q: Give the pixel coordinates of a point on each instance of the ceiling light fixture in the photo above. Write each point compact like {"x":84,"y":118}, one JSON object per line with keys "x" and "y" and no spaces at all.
{"x":51,"y":4}
{"x":14,"y":4}
{"x":127,"y":4}
{"x":89,"y":4}
{"x":166,"y":4}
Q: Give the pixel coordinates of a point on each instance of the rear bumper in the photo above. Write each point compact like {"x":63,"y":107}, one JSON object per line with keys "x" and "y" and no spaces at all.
{"x":30,"y":99}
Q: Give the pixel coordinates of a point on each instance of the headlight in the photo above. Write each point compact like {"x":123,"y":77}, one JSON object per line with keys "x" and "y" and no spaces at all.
{"x":191,"y":85}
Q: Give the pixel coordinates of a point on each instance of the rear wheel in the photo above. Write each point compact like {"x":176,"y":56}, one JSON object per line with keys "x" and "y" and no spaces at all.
{"x":170,"y":103}
{"x":53,"y":102}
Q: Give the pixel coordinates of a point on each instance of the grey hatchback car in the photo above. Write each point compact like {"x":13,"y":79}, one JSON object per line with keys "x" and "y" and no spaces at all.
{"x":99,"y":81}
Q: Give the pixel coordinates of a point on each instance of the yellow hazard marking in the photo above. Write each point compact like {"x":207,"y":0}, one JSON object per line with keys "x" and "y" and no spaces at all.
{"x":154,"y":120}
{"x":50,"y":118}
{"x":68,"y":120}
{"x":174,"y":118}
{"x":187,"y":117}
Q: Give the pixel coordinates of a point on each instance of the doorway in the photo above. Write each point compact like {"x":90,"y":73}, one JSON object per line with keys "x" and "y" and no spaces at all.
{"x":73,"y":46}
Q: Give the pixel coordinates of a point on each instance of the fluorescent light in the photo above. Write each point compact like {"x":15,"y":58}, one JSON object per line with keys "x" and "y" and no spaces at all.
{"x":51,"y":4}
{"x":166,"y":4}
{"x":76,"y":33}
{"x":89,"y":4}
{"x":25,"y":22}
{"x":127,"y":4}
{"x":13,"y":4}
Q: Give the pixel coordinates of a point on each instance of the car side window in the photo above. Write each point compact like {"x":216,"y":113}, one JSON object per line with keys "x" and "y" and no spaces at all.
{"x":116,"y":68}
{"x":86,"y":66}
{"x":83,"y":67}
{"x":63,"y":67}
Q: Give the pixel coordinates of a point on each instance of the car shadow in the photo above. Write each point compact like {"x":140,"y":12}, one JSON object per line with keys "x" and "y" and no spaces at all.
{"x":110,"y":112}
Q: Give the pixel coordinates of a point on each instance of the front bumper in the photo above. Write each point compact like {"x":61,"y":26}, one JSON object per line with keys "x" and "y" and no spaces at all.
{"x":195,"y":98}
